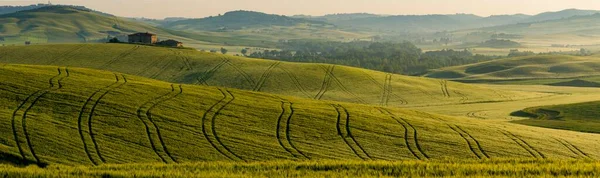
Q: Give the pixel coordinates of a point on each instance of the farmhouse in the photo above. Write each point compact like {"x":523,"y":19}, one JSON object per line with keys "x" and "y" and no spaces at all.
{"x":144,"y":38}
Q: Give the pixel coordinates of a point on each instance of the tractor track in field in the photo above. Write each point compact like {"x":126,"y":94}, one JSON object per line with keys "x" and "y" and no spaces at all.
{"x":186,"y":61}
{"x":296,"y":82}
{"x":241,"y":72}
{"x":157,"y":129}
{"x":152,"y":130}
{"x":523,"y":144}
{"x":463,"y":98}
{"x":122,"y":55}
{"x":214,"y":140}
{"x":414,"y":147}
{"x":325,"y":85}
{"x":473,"y":143}
{"x":68,"y":53}
{"x":34,"y":97}
{"x":162,"y":69}
{"x":284,"y":121}
{"x":444,"y":87}
{"x":210,"y":73}
{"x":80,"y":119}
{"x":91,"y":115}
{"x":341,"y":85}
{"x":265,"y":76}
{"x":348,"y":138}
{"x":383,"y":88}
{"x":474,"y":115}
{"x":574,"y":149}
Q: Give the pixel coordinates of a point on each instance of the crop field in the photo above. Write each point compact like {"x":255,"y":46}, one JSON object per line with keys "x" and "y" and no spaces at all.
{"x":99,"y":117}
{"x":556,"y":70}
{"x":326,"y":168}
{"x":580,"y":117}
{"x":316,"y":81}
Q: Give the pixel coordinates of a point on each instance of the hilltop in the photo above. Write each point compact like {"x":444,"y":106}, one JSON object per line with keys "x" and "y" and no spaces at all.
{"x":316,"y":81}
{"x":558,"y":70}
{"x":443,"y":22}
{"x":237,"y":20}
{"x":60,"y":24}
{"x":74,"y":116}
{"x":582,"y":117}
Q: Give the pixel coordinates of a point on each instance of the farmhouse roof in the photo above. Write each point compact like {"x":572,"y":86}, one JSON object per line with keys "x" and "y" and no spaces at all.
{"x":143,"y":34}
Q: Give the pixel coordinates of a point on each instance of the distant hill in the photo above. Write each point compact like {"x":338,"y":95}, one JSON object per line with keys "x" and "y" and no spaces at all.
{"x":577,"y":25}
{"x":13,"y":9}
{"x":59,"y":24}
{"x":567,"y":13}
{"x":435,"y":23}
{"x":562,"y":70}
{"x":237,"y":20}
{"x":338,"y":17}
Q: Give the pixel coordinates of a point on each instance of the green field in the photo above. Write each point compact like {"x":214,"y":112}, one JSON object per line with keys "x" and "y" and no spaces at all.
{"x":557,"y":70}
{"x":441,"y":168}
{"x":582,"y":117}
{"x":316,"y":81}
{"x":97,"y":117}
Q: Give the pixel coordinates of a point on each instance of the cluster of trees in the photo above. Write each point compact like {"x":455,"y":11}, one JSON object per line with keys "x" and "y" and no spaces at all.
{"x":496,"y":43}
{"x":401,"y":58}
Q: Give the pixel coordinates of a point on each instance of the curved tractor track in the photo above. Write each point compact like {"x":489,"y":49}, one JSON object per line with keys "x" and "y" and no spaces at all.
{"x":444,"y":87}
{"x":294,"y":79}
{"x":342,"y":86}
{"x":473,"y":143}
{"x":523,"y":144}
{"x":409,"y":131}
{"x":386,"y":89}
{"x":202,"y":79}
{"x":144,"y":113}
{"x":326,"y":83}
{"x":89,"y":107}
{"x":263,"y":79}
{"x":283,"y":131}
{"x":574,"y":149}
{"x":209,"y":130}
{"x":344,"y":131}
{"x":241,"y":72}
{"x":19,"y":115}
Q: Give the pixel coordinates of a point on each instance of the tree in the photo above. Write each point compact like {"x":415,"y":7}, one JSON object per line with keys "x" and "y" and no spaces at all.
{"x":244,"y":51}
{"x":114,"y":40}
{"x":224,"y":51}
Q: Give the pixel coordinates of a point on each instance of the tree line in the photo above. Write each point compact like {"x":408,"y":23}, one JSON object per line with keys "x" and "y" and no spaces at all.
{"x":401,"y":58}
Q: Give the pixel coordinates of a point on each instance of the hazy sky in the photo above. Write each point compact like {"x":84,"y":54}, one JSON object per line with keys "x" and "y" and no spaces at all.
{"x":203,"y":8}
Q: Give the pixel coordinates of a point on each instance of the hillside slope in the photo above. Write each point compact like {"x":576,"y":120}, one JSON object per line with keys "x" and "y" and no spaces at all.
{"x":317,"y":81}
{"x":237,"y":20}
{"x":59,"y":24}
{"x":75,"y":116}
{"x":547,"y":69}
{"x":583,"y":117}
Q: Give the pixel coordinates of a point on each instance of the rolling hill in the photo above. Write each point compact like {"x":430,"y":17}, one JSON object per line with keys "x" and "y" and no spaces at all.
{"x":60,"y":24}
{"x":557,"y":70}
{"x":582,"y":117}
{"x":237,"y":20}
{"x":67,"y":24}
{"x":316,"y":81}
{"x":73,"y":116}
{"x":440,"y":22}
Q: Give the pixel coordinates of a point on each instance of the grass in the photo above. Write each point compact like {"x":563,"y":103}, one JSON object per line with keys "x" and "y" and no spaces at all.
{"x":582,"y":117}
{"x":343,"y":83}
{"x":562,"y":70}
{"x":90,"y":117}
{"x":327,"y":168}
